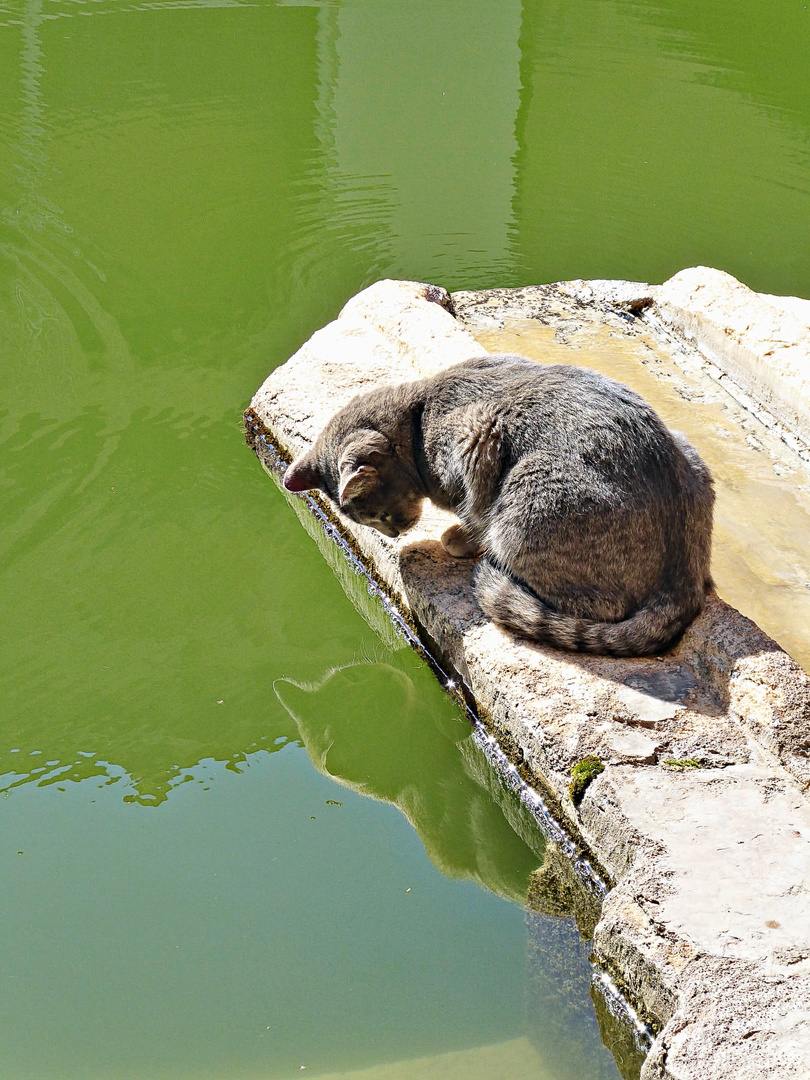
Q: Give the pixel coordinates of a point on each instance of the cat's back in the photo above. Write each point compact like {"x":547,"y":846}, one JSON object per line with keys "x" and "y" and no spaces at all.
{"x":516,"y":382}
{"x":573,"y":409}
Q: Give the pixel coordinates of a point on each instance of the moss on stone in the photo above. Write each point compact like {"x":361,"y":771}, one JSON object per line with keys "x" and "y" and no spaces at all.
{"x":681,"y":764}
{"x":583,"y":773}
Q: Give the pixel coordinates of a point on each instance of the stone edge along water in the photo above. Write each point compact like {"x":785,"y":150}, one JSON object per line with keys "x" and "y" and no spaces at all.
{"x":700,"y":818}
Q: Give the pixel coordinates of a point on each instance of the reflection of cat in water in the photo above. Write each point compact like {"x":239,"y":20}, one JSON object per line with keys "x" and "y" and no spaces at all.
{"x":592,"y":519}
{"x":370,"y":727}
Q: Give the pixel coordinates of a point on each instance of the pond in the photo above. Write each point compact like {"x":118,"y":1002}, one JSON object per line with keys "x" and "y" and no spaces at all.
{"x":243,"y":833}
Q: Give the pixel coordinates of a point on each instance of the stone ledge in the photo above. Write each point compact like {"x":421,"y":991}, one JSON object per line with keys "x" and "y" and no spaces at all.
{"x":712,"y":865}
{"x":761,"y":341}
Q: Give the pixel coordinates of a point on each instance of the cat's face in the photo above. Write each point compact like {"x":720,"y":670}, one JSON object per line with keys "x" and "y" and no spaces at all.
{"x":384,"y":508}
{"x":373,"y":486}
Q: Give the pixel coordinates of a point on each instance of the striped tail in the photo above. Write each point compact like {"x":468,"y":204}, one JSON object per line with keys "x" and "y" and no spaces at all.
{"x":648,"y":632}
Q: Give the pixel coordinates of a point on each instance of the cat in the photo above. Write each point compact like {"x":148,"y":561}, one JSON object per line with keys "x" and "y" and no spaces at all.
{"x":592,"y":520}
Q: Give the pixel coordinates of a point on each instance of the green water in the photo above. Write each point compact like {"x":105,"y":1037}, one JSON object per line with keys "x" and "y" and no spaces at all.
{"x":193,"y":881}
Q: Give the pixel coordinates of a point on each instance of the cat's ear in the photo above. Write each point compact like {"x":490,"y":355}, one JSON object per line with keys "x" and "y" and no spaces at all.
{"x":358,"y":464}
{"x":303,"y":474}
{"x":357,"y":482}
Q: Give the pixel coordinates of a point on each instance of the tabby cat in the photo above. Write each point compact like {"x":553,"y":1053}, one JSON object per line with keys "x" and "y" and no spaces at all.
{"x":592,"y":520}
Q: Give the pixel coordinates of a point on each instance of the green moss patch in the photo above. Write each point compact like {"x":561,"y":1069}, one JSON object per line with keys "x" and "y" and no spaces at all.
{"x":583,"y":773}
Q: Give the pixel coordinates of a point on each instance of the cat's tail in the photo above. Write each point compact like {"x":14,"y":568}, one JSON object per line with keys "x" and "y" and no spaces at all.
{"x":649,"y":631}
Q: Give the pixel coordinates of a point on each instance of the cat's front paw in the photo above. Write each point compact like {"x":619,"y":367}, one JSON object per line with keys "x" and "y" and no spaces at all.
{"x":457,"y":543}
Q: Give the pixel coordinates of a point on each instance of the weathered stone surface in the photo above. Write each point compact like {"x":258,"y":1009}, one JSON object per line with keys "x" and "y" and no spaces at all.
{"x":762,"y":518}
{"x":734,"y":1021}
{"x":699,"y":815}
{"x":762,"y":341}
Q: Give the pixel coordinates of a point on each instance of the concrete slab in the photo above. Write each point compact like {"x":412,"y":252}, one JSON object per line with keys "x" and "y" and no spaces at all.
{"x":699,"y":818}
{"x":762,"y":341}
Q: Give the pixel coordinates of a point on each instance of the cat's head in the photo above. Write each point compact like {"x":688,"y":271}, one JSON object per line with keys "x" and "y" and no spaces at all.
{"x":364,"y":477}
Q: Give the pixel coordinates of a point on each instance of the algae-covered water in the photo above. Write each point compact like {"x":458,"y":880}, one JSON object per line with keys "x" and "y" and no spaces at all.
{"x":241,"y":833}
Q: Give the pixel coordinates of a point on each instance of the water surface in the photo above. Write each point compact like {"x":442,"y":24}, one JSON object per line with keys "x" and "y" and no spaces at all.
{"x":187,"y":190}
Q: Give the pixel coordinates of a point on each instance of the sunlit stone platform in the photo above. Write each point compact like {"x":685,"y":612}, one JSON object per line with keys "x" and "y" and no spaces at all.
{"x":700,"y":821}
